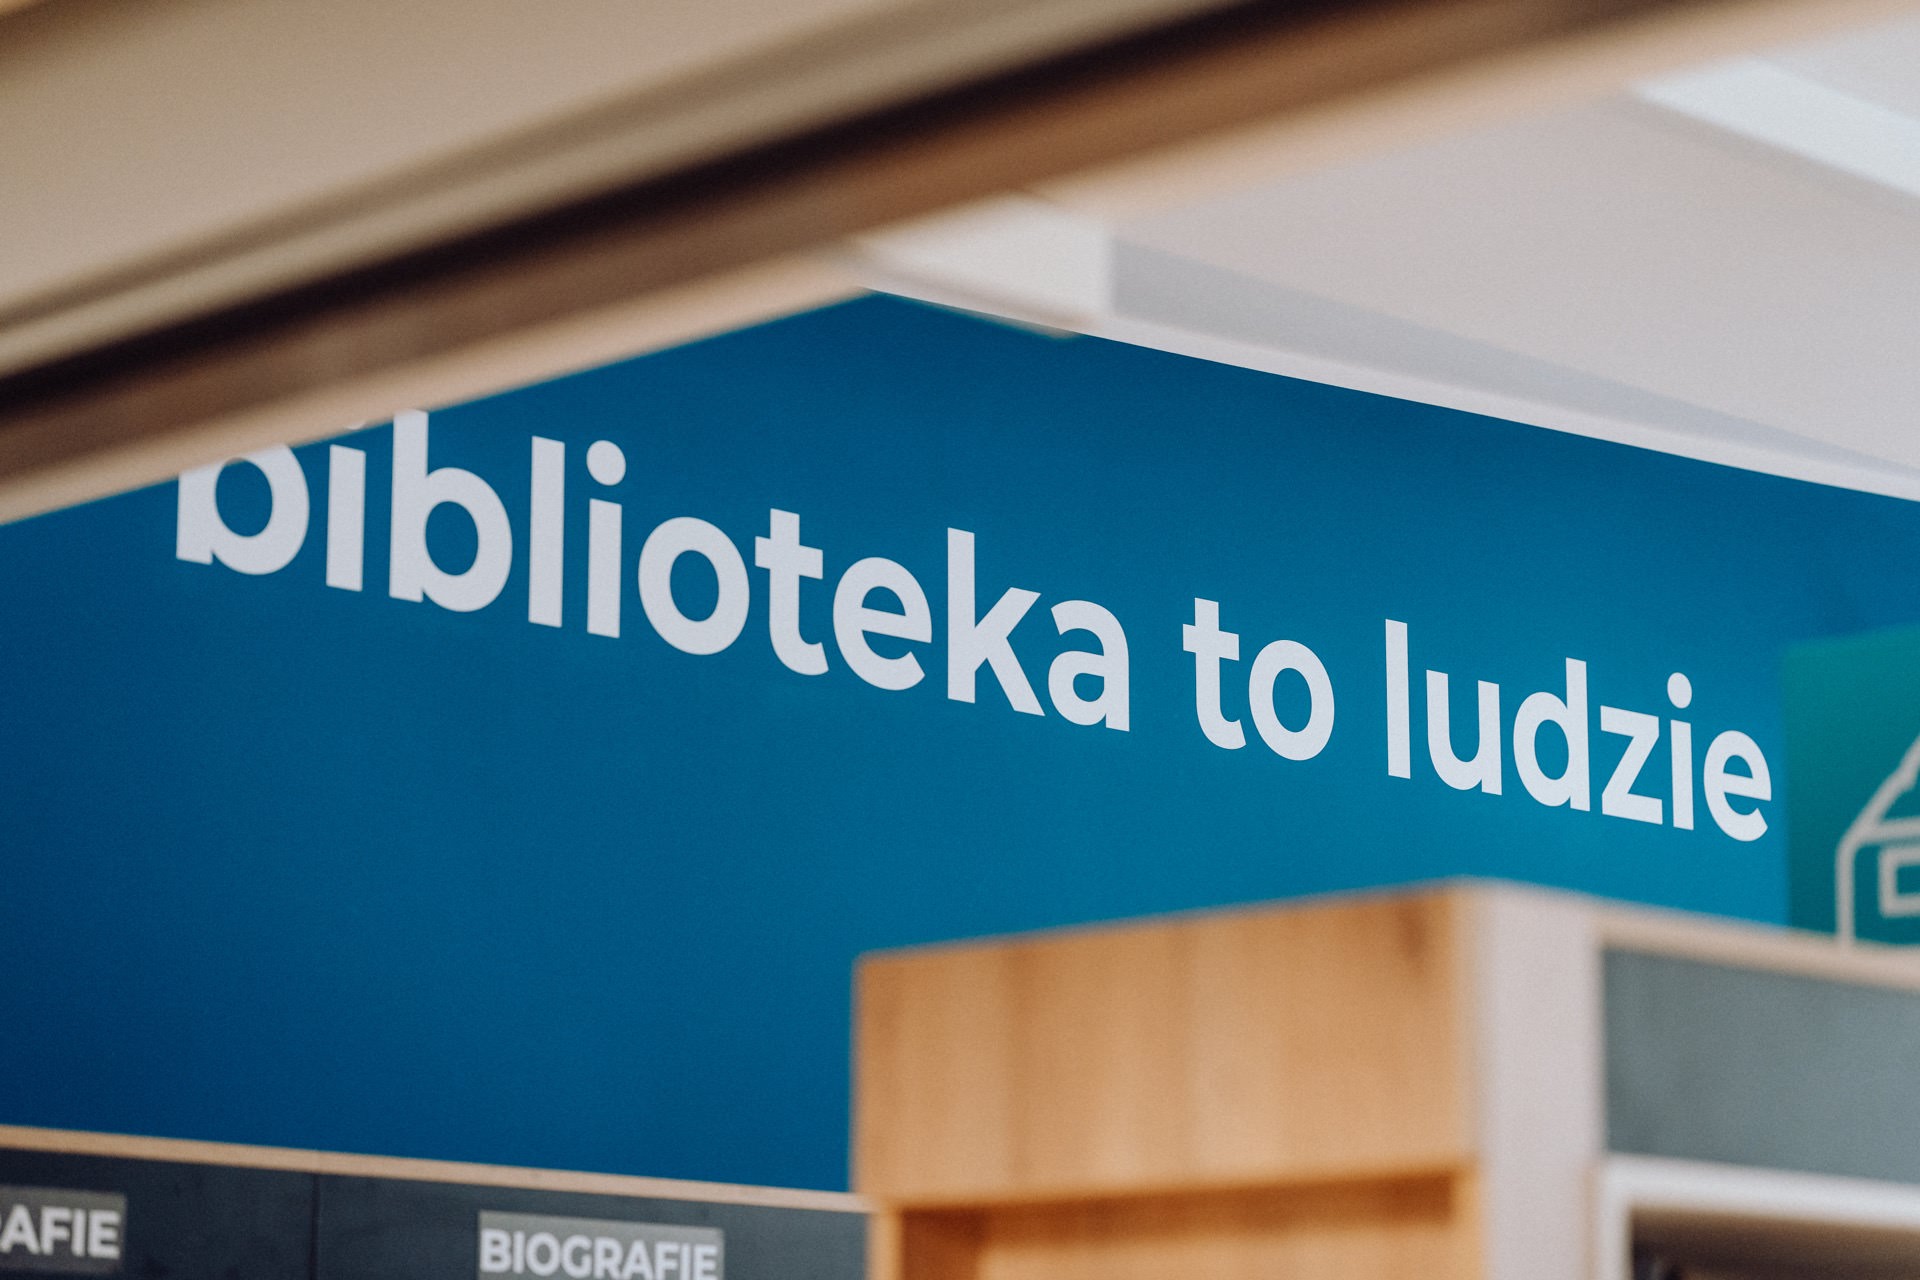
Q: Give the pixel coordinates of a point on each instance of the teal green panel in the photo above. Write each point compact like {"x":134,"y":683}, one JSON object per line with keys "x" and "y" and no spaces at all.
{"x":1852,"y":710}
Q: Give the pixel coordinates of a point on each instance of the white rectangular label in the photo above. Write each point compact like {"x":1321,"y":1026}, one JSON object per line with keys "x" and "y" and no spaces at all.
{"x":52,"y":1231}
{"x":516,"y":1245}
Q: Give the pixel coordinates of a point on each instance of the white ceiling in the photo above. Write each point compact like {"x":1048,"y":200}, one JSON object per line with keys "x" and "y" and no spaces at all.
{"x":1724,"y":264}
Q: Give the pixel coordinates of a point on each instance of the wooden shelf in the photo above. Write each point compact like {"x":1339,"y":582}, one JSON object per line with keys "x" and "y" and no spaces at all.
{"x":1464,"y":1080}
{"x":1381,"y":1225}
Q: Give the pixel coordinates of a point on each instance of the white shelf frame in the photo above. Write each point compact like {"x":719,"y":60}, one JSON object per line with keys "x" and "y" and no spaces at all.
{"x":1630,"y":1185}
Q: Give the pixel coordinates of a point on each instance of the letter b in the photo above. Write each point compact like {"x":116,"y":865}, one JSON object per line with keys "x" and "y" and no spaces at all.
{"x":496,"y":1250}
{"x":202,"y":535}
{"x":416,"y":492}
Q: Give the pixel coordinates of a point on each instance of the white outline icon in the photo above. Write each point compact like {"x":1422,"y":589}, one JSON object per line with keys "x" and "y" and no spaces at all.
{"x":1901,"y":841}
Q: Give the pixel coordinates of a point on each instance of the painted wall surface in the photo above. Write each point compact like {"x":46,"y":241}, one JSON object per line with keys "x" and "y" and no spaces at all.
{"x":294,"y":863}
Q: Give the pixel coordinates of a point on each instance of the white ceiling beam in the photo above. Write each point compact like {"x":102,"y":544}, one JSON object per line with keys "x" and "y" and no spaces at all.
{"x":1768,"y":104}
{"x":1450,"y":100}
{"x":1017,"y":256}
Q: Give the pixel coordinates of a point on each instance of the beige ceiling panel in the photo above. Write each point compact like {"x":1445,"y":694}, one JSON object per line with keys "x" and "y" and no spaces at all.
{"x":1620,"y":243}
{"x":167,"y":159}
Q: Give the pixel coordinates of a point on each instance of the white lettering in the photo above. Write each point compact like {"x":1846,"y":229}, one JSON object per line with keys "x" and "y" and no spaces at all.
{"x":1680,"y":693}
{"x":1108,"y":665}
{"x":103,"y":1233}
{"x":1755,"y":784}
{"x":1310,"y":739}
{"x":56,"y":1226}
{"x":496,"y":1250}
{"x":606,"y":464}
{"x":1573,"y":786}
{"x":1210,"y":646}
{"x":1399,"y":734}
{"x":1483,"y":769}
{"x":787,"y":561}
{"x":19,"y":1231}
{"x":346,"y":517}
{"x":543,"y":1253}
{"x":412,"y":573}
{"x":1087,"y":686}
{"x":854,"y":620}
{"x":684,"y":535}
{"x":202,"y":536}
{"x":1617,"y":798}
{"x":971,"y":641}
{"x":546,"y":532}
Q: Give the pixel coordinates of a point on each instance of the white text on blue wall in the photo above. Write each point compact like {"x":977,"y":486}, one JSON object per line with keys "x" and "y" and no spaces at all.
{"x":1087,"y":683}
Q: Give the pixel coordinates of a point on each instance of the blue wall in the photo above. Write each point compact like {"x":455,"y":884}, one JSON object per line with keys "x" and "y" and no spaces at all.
{"x":291,"y":864}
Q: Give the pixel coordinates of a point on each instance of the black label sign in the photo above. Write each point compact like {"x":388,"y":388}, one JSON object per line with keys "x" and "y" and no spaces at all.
{"x":390,"y":1229}
{"x":67,"y":1214}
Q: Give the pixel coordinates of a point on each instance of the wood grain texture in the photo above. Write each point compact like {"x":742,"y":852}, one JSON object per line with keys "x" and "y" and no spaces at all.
{"x":1258,"y":1047}
{"x":1346,"y":1232}
{"x":1356,"y":1231}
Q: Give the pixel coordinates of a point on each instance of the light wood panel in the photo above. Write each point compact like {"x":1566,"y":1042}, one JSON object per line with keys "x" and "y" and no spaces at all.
{"x":1251,"y":1048}
{"x":1357,"y":1231}
{"x":1169,"y":1098}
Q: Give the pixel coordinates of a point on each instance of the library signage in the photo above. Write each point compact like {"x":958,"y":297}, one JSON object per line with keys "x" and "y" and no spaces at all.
{"x":400,"y":1229}
{"x":67,"y":1213}
{"x":1087,"y":683}
{"x":433,"y":787}
{"x":520,"y":1245}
